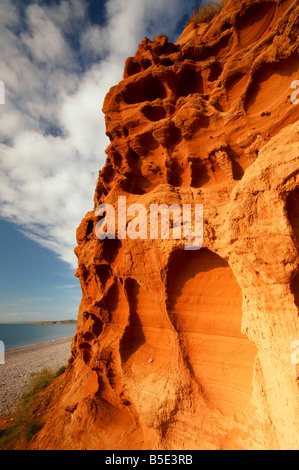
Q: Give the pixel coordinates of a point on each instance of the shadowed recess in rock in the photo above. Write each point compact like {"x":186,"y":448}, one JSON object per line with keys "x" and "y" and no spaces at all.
{"x":117,"y":305}
{"x":293,"y":212}
{"x":149,"y":335}
{"x":295,"y":289}
{"x":293,"y":215}
{"x":205,"y":304}
{"x":256,"y":22}
{"x":146,"y":89}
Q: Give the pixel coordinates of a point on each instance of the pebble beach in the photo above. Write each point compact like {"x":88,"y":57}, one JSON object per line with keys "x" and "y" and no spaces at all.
{"x":22,"y":363}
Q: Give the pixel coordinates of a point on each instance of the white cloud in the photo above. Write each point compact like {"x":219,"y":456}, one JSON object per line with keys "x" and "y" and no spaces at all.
{"x":44,"y":39}
{"x":57,"y":68}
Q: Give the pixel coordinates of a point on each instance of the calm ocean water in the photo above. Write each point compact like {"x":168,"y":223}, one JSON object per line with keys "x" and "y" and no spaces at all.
{"x":17,"y":335}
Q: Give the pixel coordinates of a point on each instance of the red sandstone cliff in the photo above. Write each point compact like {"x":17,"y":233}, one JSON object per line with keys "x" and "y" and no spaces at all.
{"x":191,"y":350}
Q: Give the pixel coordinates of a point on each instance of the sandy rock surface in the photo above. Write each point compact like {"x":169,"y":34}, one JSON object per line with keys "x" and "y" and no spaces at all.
{"x":191,"y":350}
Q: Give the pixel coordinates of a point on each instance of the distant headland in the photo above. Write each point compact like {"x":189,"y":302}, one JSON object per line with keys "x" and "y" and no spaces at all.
{"x":58,"y":322}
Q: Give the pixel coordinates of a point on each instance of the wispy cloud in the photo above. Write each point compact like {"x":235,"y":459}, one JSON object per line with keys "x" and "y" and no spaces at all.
{"x":57,"y":67}
{"x":52,"y":307}
{"x":67,"y":286}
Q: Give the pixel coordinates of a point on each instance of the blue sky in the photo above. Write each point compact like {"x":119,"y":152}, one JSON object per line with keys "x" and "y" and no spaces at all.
{"x":58,"y":59}
{"x":34,"y":284}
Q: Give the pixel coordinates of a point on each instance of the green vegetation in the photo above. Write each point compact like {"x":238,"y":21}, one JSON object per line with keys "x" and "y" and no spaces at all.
{"x":206,"y":12}
{"x":25,"y":425}
{"x":33,"y":429}
{"x":60,"y":371}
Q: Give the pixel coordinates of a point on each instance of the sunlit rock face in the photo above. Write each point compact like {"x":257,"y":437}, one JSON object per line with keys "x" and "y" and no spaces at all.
{"x":180,"y":349}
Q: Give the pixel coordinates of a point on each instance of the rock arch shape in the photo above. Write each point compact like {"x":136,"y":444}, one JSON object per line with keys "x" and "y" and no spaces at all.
{"x":205,"y":305}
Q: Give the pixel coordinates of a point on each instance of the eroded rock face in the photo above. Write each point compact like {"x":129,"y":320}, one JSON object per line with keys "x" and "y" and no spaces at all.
{"x":184,"y":349}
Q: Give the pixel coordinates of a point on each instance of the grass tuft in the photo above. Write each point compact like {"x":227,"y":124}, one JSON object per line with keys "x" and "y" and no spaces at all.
{"x":33,"y":429}
{"x":24,"y":425}
{"x":206,"y":12}
{"x":37,"y":384}
{"x":60,"y":371}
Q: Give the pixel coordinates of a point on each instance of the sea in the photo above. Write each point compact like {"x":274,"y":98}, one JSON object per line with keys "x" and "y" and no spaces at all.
{"x":19,"y":335}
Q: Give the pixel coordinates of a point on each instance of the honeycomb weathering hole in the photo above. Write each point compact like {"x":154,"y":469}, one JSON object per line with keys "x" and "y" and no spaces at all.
{"x":188,"y":82}
{"x":132,"y":67}
{"x":215,"y":72}
{"x":154,"y":113}
{"x":110,"y":248}
{"x":205,"y":304}
{"x":103,"y":273}
{"x":146,"y":89}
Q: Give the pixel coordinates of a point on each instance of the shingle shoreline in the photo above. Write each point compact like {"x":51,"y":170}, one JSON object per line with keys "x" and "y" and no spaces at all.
{"x":22,"y":363}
